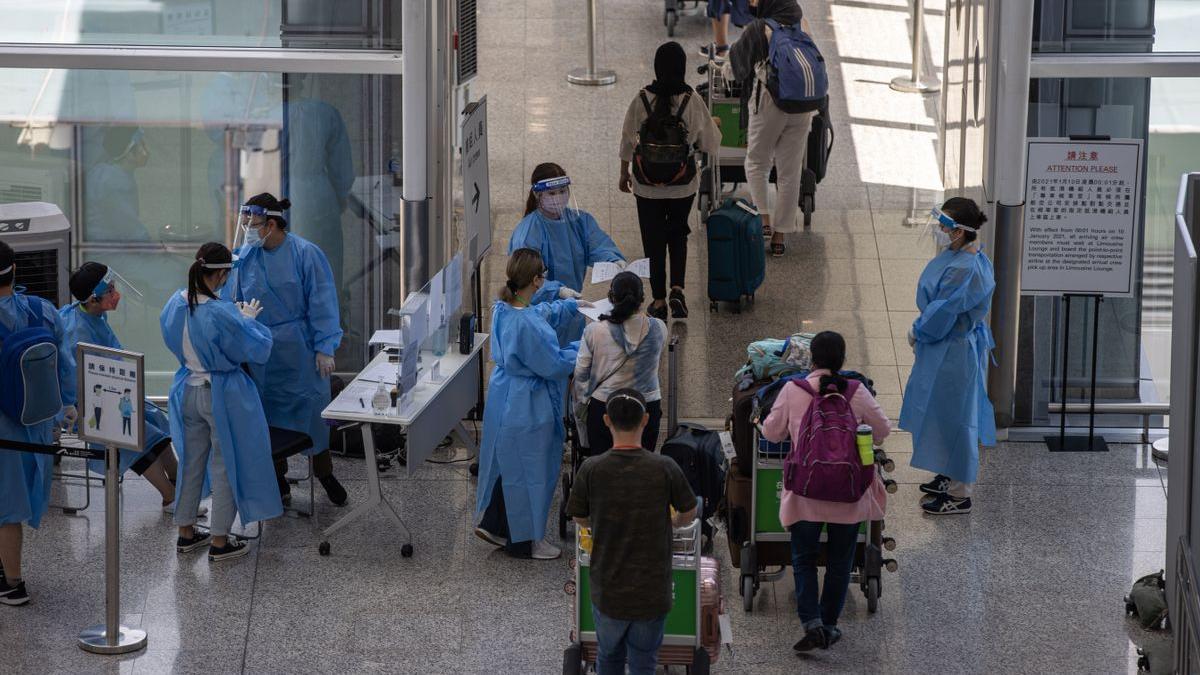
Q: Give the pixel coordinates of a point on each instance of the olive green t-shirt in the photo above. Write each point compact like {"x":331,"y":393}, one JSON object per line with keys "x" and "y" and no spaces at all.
{"x":625,"y":495}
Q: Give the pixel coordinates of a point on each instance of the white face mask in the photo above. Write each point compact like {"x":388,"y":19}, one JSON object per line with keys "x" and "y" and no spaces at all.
{"x":942,"y":238}
{"x":553,"y":204}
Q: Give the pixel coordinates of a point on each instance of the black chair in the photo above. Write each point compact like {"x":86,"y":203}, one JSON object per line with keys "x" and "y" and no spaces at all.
{"x":284,"y":444}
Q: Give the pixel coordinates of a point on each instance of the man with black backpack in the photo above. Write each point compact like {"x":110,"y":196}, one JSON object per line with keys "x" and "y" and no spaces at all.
{"x":783,"y":83}
{"x":665,"y":125}
{"x":33,"y":373}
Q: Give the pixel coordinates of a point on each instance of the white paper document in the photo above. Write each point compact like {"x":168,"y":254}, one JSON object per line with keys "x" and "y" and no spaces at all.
{"x":385,"y":372}
{"x":605,"y":271}
{"x":355,"y":398}
{"x":389,"y":338}
{"x":598,"y":307}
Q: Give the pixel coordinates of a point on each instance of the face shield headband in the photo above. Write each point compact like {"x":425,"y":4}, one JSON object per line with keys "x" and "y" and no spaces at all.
{"x":231,"y":265}
{"x":8,"y":269}
{"x":246,"y":226}
{"x":106,"y":284}
{"x":548,"y":184}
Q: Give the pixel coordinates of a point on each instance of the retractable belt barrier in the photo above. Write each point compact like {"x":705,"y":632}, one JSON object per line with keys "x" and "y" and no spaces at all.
{"x":109,"y":637}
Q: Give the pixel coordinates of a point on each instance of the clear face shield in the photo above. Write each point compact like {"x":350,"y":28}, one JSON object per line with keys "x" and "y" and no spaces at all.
{"x":937,"y":228}
{"x":554,"y":197}
{"x":251,"y":220}
{"x":107,"y":292}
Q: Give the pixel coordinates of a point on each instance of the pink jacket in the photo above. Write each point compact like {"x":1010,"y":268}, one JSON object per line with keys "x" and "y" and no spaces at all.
{"x":784,"y":422}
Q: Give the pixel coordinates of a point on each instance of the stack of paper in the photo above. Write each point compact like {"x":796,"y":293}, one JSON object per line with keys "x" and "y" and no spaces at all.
{"x":605,"y":271}
{"x":598,"y":307}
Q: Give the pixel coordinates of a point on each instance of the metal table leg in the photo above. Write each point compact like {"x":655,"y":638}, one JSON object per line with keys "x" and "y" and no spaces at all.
{"x":374,"y":498}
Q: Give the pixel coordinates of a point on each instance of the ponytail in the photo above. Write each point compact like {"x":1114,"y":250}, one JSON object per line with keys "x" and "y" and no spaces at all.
{"x":626,"y":295}
{"x":828,"y":350}
{"x":524,"y":266}
{"x":209,"y":255}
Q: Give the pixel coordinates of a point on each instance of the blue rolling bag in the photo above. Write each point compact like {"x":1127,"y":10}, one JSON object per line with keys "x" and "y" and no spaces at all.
{"x":736,"y":259}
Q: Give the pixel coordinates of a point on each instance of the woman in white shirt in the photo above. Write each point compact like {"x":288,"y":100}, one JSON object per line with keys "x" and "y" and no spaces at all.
{"x":621,"y":350}
{"x":665,"y":189}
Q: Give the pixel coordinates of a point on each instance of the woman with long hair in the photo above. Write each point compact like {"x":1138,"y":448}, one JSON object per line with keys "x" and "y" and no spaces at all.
{"x":520,"y":455}
{"x":217,"y":422}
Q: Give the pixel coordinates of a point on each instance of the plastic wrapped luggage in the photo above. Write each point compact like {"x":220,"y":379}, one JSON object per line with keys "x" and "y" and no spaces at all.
{"x":711,"y":607}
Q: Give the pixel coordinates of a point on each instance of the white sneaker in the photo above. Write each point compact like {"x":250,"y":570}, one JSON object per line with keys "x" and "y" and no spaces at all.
{"x":545,"y":551}
{"x":200,"y":512}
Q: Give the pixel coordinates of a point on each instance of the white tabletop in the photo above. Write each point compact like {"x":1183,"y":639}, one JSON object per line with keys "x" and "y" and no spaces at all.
{"x":451,"y":366}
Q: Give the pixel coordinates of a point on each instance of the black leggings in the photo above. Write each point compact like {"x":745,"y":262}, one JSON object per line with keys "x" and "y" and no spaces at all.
{"x":600,"y":438}
{"x":664,"y":226}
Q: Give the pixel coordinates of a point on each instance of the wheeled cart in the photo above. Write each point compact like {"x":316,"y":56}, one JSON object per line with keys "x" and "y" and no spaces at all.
{"x":671,"y":10}
{"x":726,"y":167}
{"x":690,"y":619}
{"x":766,"y":489}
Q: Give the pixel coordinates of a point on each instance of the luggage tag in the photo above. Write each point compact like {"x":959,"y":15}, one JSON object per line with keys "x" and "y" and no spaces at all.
{"x":726,"y":631}
{"x":727,"y":445}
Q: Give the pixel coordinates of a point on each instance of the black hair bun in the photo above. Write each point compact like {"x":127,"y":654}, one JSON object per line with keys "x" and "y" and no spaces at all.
{"x":285,"y":204}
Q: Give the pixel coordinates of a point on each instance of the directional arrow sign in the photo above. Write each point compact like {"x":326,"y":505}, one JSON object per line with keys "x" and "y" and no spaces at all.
{"x":476,"y":188}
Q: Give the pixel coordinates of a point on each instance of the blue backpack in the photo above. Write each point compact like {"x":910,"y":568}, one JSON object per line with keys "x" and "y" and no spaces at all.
{"x":29,"y":389}
{"x":796,"y":77}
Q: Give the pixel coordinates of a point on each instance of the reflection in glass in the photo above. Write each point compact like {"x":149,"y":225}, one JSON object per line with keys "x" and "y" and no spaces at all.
{"x":148,"y":165}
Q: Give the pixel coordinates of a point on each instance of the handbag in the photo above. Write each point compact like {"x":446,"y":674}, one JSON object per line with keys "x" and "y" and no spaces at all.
{"x":579,"y":409}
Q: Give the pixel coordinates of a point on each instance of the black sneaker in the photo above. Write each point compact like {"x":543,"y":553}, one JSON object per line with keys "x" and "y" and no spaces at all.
{"x":832,"y":635}
{"x":813,"y":639}
{"x":659,"y":312}
{"x":199,"y":538}
{"x":940,"y":485}
{"x":232,"y":549}
{"x":334,"y":490}
{"x":945,"y":505}
{"x":13,"y":596}
{"x":678,"y":304}
{"x":722,"y":51}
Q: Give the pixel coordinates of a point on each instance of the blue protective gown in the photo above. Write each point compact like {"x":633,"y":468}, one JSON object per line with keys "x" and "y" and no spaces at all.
{"x":300,"y":306}
{"x":523,"y":429}
{"x":224,"y":340}
{"x":568,"y":246}
{"x":25,"y":477}
{"x":946,"y":407}
{"x":79,"y":326}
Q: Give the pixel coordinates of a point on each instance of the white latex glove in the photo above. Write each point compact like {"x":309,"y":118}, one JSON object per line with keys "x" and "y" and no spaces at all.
{"x":621,"y":263}
{"x":566,"y":293}
{"x":250,"y":309}
{"x":70,"y":415}
{"x":912,"y":338}
{"x":324,"y":364}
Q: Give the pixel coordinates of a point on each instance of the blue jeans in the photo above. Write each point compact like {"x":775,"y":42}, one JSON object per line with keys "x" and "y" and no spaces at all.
{"x":839,"y":560}
{"x":636,"y":640}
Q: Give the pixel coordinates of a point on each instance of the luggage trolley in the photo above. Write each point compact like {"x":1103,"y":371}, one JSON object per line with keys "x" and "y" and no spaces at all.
{"x":671,"y":9}
{"x":728,"y":166}
{"x":691,"y":624}
{"x":766,"y":487}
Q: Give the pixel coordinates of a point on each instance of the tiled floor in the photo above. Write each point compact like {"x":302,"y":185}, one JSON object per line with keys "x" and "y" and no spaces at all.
{"x":1030,"y":582}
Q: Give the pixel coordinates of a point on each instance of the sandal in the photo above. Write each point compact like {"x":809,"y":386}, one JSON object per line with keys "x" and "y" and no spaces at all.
{"x":776,"y":250}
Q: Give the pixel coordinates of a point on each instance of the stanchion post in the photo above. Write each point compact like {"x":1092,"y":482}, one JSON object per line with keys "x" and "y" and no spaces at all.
{"x":915,"y":83}
{"x":111,"y":637}
{"x":591,"y":75}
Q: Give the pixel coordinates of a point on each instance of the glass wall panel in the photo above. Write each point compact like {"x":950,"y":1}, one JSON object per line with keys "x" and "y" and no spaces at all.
{"x":1135,"y":334}
{"x":1097,"y":26}
{"x":149,"y":165}
{"x":347,"y":24}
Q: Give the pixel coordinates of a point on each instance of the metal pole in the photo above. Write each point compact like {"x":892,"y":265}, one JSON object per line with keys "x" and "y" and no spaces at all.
{"x":1095,"y":354}
{"x":111,"y":637}
{"x":591,"y":75}
{"x":1062,"y":417}
{"x":915,"y":84}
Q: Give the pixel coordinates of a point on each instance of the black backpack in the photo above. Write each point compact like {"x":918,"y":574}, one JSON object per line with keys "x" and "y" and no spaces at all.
{"x":698,"y":453}
{"x":663,"y":155}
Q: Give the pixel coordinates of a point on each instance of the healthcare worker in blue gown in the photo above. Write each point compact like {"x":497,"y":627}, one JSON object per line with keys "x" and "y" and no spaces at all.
{"x":521,"y":452}
{"x":292,"y":278}
{"x":569,"y":240}
{"x":25,"y":477}
{"x":95,"y":289}
{"x":946,"y":407}
{"x":217,"y":420}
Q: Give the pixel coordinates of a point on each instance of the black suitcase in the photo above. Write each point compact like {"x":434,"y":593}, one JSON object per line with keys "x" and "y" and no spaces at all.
{"x":820,"y":142}
{"x":698,"y":453}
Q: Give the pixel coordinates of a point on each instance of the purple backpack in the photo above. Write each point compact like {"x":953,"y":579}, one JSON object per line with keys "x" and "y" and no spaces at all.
{"x":824,"y":462}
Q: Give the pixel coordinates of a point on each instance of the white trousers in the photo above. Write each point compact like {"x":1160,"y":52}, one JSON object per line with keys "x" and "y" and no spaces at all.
{"x":778,"y":139}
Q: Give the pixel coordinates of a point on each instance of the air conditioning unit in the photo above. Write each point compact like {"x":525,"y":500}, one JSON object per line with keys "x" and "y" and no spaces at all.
{"x":39,"y":234}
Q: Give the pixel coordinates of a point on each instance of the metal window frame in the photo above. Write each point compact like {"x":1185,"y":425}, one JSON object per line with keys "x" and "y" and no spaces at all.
{"x":201,"y":59}
{"x":1108,"y":65}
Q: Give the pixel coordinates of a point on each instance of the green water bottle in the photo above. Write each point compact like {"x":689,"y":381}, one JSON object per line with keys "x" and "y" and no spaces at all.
{"x":866,"y":445}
